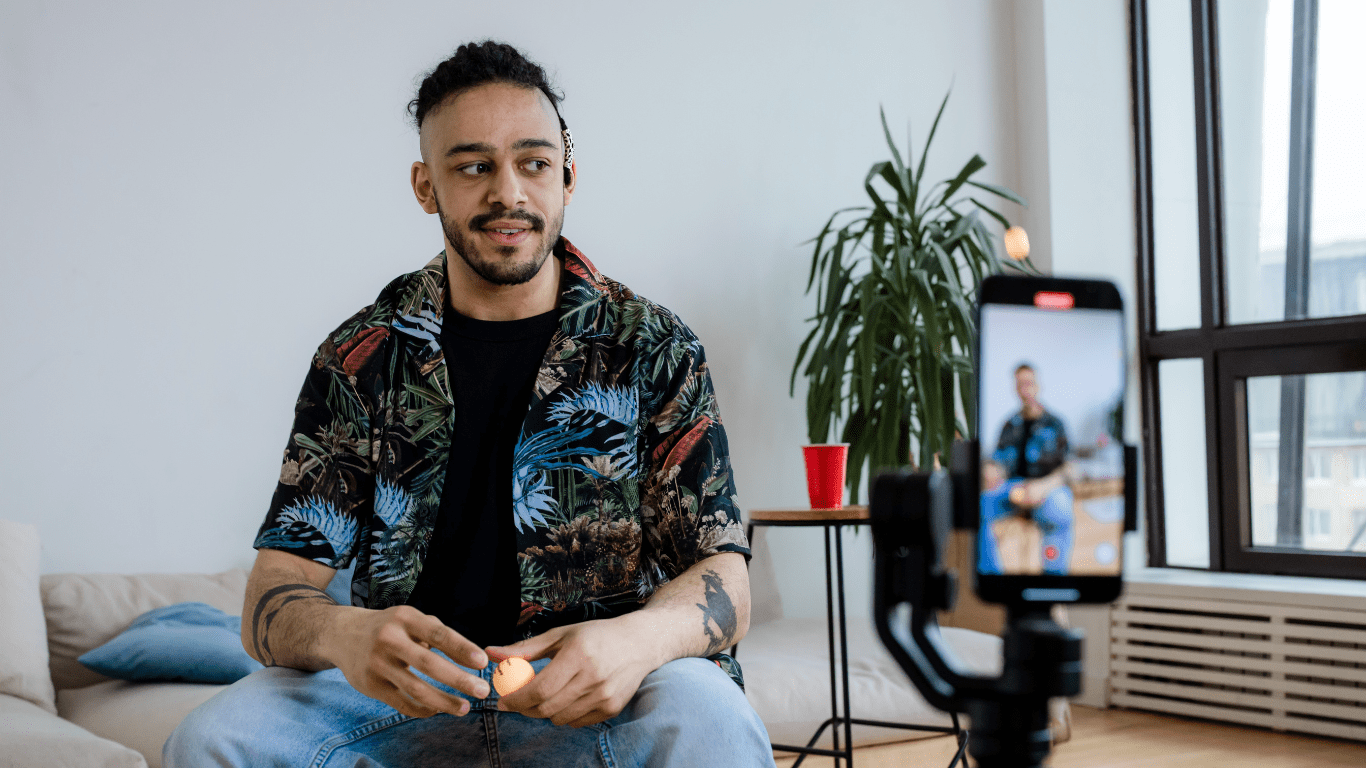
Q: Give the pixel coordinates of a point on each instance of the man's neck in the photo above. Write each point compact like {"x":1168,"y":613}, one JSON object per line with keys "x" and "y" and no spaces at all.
{"x":1031,"y":411}
{"x":474,"y":297}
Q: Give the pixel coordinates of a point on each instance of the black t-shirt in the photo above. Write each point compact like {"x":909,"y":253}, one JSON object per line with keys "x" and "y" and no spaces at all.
{"x":470,"y":578}
{"x":1021,"y":468}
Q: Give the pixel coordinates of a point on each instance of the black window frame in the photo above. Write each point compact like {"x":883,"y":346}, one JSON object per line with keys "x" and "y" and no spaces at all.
{"x":1232,"y":352}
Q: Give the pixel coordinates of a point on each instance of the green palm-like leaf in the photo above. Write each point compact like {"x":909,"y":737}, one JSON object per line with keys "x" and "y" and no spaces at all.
{"x":888,"y":362}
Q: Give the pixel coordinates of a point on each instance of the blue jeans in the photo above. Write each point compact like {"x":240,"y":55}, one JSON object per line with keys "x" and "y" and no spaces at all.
{"x":686,"y":713}
{"x":1054,"y":517}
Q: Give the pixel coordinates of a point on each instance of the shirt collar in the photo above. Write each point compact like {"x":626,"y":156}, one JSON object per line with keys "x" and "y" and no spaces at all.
{"x":583,"y":290}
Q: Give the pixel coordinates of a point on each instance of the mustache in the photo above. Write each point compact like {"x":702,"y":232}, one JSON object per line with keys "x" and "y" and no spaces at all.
{"x":484,"y":219}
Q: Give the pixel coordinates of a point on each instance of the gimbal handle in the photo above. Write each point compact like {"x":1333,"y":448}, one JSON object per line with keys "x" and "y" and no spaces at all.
{"x":912,"y":515}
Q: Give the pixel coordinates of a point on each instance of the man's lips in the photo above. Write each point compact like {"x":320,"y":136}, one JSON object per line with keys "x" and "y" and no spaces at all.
{"x":506,"y":233}
{"x":507,"y":228}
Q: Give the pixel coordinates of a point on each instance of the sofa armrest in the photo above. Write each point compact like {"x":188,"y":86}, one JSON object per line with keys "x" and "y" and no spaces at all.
{"x":36,"y":738}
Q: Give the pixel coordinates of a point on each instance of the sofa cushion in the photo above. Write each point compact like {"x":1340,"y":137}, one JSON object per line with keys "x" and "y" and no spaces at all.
{"x":34,"y":738}
{"x":140,"y":715}
{"x":86,"y":610}
{"x":23,"y":634}
{"x":185,"y":642}
{"x":787,"y":679}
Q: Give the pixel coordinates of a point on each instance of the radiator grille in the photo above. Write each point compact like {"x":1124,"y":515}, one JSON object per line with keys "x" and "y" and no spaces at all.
{"x":1271,"y":665}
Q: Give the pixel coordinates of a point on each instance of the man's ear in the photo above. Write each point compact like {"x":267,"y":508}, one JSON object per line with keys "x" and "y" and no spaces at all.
{"x":422,"y":187}
{"x":571,"y":179}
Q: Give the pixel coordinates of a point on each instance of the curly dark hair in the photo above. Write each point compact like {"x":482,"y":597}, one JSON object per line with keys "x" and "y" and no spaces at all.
{"x":475,"y":64}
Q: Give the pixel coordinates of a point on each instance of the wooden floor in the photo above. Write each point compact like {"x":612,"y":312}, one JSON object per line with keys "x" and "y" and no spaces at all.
{"x":1112,"y":738}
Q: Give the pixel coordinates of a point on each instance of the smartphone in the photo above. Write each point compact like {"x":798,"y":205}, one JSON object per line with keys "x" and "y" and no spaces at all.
{"x":1051,"y":484}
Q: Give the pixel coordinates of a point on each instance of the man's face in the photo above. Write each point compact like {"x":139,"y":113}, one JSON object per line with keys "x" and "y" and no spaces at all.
{"x":492,"y":170}
{"x":1026,"y":386}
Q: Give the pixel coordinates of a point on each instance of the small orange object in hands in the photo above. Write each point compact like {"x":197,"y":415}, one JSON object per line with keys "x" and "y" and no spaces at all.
{"x":510,"y":674}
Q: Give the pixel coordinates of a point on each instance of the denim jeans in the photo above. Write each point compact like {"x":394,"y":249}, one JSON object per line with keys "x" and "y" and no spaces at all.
{"x":1054,"y":517}
{"x":686,"y":714}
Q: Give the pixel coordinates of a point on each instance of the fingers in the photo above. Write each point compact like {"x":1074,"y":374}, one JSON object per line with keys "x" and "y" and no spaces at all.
{"x":426,"y":698}
{"x":398,"y":651}
{"x":578,"y":705}
{"x":409,"y":644}
{"x":551,"y":680}
{"x":587,"y":710}
{"x":594,"y":717}
{"x":443,"y":671}
{"x":548,"y":704}
{"x":395,"y":698}
{"x":429,"y":630}
{"x":531,"y":649}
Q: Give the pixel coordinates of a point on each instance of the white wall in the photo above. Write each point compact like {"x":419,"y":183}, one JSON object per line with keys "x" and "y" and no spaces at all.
{"x":192,"y":195}
{"x":1091,"y":209}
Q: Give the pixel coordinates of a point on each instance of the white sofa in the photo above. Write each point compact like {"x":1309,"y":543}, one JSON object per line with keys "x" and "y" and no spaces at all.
{"x":55,"y":712}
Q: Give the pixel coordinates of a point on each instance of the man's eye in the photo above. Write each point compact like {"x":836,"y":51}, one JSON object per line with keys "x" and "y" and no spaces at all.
{"x":474,"y":169}
{"x":537,"y":165}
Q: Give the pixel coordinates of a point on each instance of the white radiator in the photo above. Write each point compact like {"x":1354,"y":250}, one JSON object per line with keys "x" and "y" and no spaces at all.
{"x":1261,"y":662}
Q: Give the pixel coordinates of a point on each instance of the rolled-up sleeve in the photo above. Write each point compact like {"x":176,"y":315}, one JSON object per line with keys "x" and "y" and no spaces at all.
{"x":326,"y":485}
{"x":691,"y":508}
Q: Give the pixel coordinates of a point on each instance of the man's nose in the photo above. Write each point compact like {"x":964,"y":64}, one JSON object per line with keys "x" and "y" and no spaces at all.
{"x":507,"y":189}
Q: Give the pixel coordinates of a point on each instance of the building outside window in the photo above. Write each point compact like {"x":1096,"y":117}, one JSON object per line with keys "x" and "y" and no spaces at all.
{"x":1252,"y":244}
{"x":1318,"y":523}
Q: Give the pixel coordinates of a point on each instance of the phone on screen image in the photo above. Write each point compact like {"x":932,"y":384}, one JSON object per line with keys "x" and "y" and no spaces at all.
{"x":1050,"y":415}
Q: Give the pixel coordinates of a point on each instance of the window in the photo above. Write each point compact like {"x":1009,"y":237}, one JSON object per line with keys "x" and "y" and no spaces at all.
{"x":1317,"y":466}
{"x":1252,"y":282}
{"x":1318,"y":523}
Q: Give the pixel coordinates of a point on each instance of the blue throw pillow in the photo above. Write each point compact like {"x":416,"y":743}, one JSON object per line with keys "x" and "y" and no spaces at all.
{"x":185,"y":642}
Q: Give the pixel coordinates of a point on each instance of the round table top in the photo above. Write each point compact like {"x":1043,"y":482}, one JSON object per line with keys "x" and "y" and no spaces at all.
{"x":850,"y":514}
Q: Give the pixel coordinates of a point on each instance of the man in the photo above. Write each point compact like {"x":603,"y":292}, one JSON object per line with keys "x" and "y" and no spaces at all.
{"x":1028,"y":472}
{"x":520,"y":457}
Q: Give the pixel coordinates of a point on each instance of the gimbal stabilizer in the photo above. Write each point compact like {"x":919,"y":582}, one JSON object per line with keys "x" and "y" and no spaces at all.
{"x":912,"y":514}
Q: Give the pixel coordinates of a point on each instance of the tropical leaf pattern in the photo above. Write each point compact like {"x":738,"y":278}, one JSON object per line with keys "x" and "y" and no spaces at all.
{"x":621,"y":475}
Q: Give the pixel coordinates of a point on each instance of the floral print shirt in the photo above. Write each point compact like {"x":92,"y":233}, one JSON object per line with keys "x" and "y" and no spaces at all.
{"x":1045,"y":445}
{"x":621,"y":474}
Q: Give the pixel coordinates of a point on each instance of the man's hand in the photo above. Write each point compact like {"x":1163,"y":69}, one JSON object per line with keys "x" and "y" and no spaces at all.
{"x":289,"y":621}
{"x":1031,"y":493}
{"x":376,"y":649}
{"x":595,"y":669}
{"x":1024,"y":495}
{"x":597,"y":666}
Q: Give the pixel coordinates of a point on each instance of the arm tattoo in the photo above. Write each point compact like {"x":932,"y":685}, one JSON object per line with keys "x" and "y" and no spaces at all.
{"x":280,"y":596}
{"x":719,"y":611}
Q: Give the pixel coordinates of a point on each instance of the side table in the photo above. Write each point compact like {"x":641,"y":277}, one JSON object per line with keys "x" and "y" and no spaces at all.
{"x":834,"y":520}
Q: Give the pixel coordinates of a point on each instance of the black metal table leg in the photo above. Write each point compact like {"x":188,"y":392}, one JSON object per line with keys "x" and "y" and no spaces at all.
{"x":844,"y":646}
{"x":843,"y":754}
{"x":830,"y":636}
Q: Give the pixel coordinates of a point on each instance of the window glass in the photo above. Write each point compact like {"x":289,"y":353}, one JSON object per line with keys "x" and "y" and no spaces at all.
{"x":1254,"y":93}
{"x":1331,"y":418}
{"x":1176,"y":230}
{"x":1185,"y":492}
{"x":1337,"y":269}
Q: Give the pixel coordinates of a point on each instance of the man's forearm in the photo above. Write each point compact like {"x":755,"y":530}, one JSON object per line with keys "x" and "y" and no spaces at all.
{"x":286,"y":622}
{"x":702,"y":611}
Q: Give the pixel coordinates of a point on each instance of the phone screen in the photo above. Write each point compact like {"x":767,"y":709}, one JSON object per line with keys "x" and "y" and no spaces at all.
{"x":1050,"y":428}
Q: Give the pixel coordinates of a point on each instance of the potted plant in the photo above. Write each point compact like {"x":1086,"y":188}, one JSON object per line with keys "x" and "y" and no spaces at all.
{"x":891,"y":350}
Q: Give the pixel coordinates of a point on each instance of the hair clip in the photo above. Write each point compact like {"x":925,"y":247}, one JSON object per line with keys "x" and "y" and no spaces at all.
{"x":568,"y":148}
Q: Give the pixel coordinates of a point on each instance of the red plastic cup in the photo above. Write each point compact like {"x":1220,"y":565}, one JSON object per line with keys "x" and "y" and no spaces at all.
{"x":825,"y":474}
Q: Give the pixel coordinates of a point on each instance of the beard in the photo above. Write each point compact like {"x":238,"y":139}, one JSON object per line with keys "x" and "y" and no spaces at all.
{"x":502,"y":269}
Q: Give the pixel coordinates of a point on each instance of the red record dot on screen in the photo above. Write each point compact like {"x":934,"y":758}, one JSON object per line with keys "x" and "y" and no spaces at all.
{"x":1050,"y":552}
